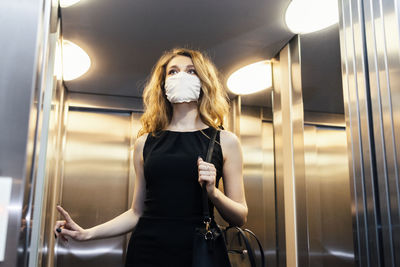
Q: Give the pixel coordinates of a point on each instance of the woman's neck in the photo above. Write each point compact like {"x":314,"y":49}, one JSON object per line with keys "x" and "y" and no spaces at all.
{"x":186,"y":117}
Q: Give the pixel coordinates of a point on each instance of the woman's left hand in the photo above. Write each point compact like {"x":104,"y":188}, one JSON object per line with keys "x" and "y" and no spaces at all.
{"x":207,"y":175}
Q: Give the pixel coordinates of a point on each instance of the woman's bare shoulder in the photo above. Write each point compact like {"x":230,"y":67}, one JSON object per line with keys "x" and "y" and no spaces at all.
{"x":230,"y":143}
{"x":142,"y":139}
{"x":139,"y":143}
{"x":228,"y":137}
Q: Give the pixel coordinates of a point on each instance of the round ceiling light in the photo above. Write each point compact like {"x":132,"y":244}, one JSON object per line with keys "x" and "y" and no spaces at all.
{"x":75,"y":61}
{"x":305,"y":16}
{"x":67,"y":3}
{"x":251,"y":78}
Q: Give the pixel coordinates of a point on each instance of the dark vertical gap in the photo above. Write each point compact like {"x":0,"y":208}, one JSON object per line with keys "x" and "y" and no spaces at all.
{"x":372,"y":143}
{"x":275,"y":187}
{"x":277,"y":250}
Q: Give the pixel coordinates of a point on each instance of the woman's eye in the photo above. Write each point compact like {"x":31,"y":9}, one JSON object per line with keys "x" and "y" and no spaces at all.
{"x":171,"y":72}
{"x":192,"y":71}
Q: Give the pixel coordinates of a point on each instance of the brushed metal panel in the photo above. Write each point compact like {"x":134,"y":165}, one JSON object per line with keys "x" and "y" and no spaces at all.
{"x":328,"y":197}
{"x":297,"y":120}
{"x":256,"y":138}
{"x":53,"y":175}
{"x":391,"y":115}
{"x":359,"y":96}
{"x":365,"y":221}
{"x":360,"y":248}
{"x":280,"y":80}
{"x":325,"y":119}
{"x":287,"y":162}
{"x":383,"y":124}
{"x":95,"y":183}
{"x":251,"y":140}
{"x":289,"y":154}
{"x":105,"y":102}
{"x":23,"y":27}
{"x":40,"y":238}
{"x":258,"y":172}
{"x":269,"y":196}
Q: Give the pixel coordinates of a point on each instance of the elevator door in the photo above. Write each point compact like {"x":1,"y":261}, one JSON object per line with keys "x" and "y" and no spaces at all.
{"x":328,"y":197}
{"x":95,"y":183}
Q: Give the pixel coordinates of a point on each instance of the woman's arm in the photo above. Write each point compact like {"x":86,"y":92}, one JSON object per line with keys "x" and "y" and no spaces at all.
{"x":120,"y":224}
{"x":232,"y":205}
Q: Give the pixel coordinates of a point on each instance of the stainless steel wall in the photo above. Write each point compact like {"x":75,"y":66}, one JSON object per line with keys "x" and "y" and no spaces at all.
{"x":288,"y":120}
{"x":52,"y":173}
{"x":328,"y":196}
{"x":314,"y":226}
{"x":95,"y":181}
{"x":253,"y":125}
{"x":29,"y":32}
{"x":370,"y":55}
{"x":94,"y":178}
{"x":256,"y":136}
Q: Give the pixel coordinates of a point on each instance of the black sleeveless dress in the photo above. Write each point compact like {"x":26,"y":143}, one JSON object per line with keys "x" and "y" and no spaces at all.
{"x":172,"y":207}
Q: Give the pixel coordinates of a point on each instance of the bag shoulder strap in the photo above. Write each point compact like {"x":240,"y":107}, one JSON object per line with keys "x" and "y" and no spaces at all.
{"x":206,"y":213}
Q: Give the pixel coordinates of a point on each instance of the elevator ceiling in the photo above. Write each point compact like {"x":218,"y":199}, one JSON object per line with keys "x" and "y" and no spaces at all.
{"x":125,"y":38}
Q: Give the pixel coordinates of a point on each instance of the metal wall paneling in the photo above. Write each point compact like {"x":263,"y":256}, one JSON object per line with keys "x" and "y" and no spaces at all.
{"x":363,"y":191}
{"x":95,"y":182}
{"x":269,"y":213}
{"x":258,"y":172}
{"x":24,"y":30}
{"x":53,"y":175}
{"x":369,"y":34}
{"x":134,"y":104}
{"x":233,"y":120}
{"x":251,"y":138}
{"x":382,"y":39}
{"x":42,"y":179}
{"x":290,"y":174}
{"x":279,"y":66}
{"x":328,"y":197}
{"x":297,"y":116}
{"x":356,"y":185}
{"x":256,"y":137}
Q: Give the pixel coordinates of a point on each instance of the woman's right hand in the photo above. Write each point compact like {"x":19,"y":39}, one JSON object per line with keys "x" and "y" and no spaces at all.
{"x":69,"y":228}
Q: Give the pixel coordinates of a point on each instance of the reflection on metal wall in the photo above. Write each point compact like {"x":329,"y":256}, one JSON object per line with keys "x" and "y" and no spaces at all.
{"x":52,"y":177}
{"x":370,"y":51}
{"x":288,"y":122}
{"x":328,"y":197}
{"x":256,"y":137}
{"x":95,"y":183}
{"x":258,"y":174}
{"x":26,"y":47}
{"x":313,"y":227}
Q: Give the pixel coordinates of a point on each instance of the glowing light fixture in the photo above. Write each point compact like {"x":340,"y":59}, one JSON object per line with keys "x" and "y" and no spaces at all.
{"x":67,"y":3}
{"x":75,"y":62}
{"x":251,"y":78}
{"x":305,"y":16}
{"x":58,"y":61}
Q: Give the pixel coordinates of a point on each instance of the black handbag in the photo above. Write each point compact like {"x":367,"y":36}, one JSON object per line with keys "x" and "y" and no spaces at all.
{"x":209,"y":248}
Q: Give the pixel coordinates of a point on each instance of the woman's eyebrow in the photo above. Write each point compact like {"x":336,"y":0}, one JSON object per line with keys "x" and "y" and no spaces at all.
{"x":175,"y":66}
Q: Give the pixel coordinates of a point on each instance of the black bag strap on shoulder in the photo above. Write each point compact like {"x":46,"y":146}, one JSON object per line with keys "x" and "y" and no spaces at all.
{"x":206,"y":213}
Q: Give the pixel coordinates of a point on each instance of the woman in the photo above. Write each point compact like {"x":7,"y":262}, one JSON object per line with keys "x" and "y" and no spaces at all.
{"x":184,"y":101}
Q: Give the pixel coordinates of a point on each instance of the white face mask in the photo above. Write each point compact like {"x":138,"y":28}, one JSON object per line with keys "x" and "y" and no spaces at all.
{"x":182,"y":87}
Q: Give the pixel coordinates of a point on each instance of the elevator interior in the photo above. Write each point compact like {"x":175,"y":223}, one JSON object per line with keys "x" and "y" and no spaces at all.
{"x":96,"y":176}
{"x":81,"y":132}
